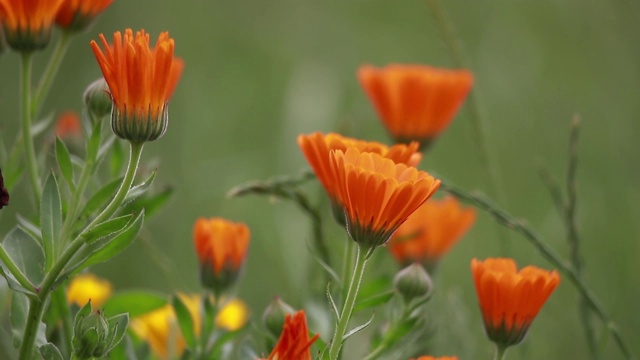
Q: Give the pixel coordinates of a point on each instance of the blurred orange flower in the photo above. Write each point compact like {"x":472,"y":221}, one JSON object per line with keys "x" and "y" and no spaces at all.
{"x":27,"y":23}
{"x":415,"y":102}
{"x":76,"y":15}
{"x":141,"y":80}
{"x":85,"y":287}
{"x":431,"y":231}
{"x":510,"y":299}
{"x":68,"y":125}
{"x":437,"y":358}
{"x":377,"y":194}
{"x":294,"y":342}
{"x":221,"y":246}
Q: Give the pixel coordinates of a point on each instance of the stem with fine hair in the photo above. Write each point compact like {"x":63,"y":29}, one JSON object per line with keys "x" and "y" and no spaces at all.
{"x":32,"y":165}
{"x":44,"y":85}
{"x":501,"y":350}
{"x":362,"y":254}
{"x":36,"y":305}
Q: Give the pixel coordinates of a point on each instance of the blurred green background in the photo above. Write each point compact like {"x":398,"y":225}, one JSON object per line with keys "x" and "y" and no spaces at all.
{"x":258,"y":73}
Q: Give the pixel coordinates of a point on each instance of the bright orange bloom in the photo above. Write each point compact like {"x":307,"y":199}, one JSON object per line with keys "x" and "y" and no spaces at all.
{"x":141,"y":80}
{"x":76,"y":15}
{"x":431,"y":231}
{"x":510,"y":299}
{"x":221,"y":246}
{"x":377,"y":194}
{"x":85,"y":287}
{"x":68,"y":125}
{"x":437,"y":358}
{"x":294,"y":342}
{"x":415,"y":102}
{"x":27,"y":23}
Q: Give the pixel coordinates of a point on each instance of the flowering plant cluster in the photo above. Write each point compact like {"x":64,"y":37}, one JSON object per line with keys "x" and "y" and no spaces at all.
{"x":379,"y":195}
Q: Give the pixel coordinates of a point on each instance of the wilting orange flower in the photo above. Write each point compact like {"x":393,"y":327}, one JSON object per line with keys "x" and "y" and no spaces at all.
{"x":141,"y":80}
{"x":377,"y":194}
{"x":437,"y":358}
{"x":85,"y":287}
{"x":68,"y":125}
{"x":27,"y":23}
{"x":294,"y":342}
{"x":415,"y":102}
{"x":76,"y":15}
{"x":510,"y":299}
{"x":431,"y":231}
{"x":221,"y":246}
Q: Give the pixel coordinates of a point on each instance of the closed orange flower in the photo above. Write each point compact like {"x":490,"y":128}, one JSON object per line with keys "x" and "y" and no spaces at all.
{"x":294,"y":342}
{"x":431,"y":231}
{"x":510,"y":299}
{"x":27,"y":23}
{"x":76,"y":15}
{"x":141,"y":80}
{"x":221,"y":246}
{"x":437,"y":358}
{"x":415,"y":102}
{"x":377,"y":194}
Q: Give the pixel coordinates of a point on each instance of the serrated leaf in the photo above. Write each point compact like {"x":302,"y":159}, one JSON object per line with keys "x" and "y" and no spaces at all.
{"x":100,"y":198}
{"x":64,"y":162}
{"x":374,"y":301}
{"x":50,"y":218}
{"x":357,"y":329}
{"x":50,"y":352}
{"x":184,"y":321}
{"x":135,"y":303}
{"x":108,"y":227}
{"x":139,"y":189}
{"x":26,"y":253}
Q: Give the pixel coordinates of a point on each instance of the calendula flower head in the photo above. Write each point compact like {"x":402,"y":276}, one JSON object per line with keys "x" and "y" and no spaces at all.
{"x":97,"y":99}
{"x":159,"y":328}
{"x":316,"y":148}
{"x":294,"y":342}
{"x":77,"y":15}
{"x":85,"y":287}
{"x":221,"y":246}
{"x":510,"y":299}
{"x":4,"y":194}
{"x":415,"y":102}
{"x":431,"y":231}
{"x":27,"y":23}
{"x":377,"y":194}
{"x":141,"y":80}
{"x":437,"y":358}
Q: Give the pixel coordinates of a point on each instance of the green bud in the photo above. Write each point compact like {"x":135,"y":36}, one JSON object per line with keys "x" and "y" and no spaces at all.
{"x":413,"y":282}
{"x":274,"y":315}
{"x":97,"y":99}
{"x":94,"y":335}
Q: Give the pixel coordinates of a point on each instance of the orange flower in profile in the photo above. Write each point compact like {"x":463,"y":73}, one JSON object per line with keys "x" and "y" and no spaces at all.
{"x":141,"y":80}
{"x":221,"y":246}
{"x":431,"y":231}
{"x":377,"y":194}
{"x":27,"y":23}
{"x":437,"y":358}
{"x":76,"y":15}
{"x":294,"y":342}
{"x":510,"y":299}
{"x":68,"y":125}
{"x":415,"y":102}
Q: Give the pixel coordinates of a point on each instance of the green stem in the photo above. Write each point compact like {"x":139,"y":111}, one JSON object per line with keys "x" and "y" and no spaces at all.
{"x":347,"y":309}
{"x":44,"y":85}
{"x":15,"y":270}
{"x":349,"y":251}
{"x":500,"y":352}
{"x":66,"y":331}
{"x":32,"y":165}
{"x":37,"y":305}
{"x":504,"y":218}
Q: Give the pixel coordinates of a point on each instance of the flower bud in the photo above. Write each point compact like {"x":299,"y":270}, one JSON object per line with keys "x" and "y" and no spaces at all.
{"x":274,"y":315}
{"x":94,"y":335}
{"x":413,"y":282}
{"x":97,"y":99}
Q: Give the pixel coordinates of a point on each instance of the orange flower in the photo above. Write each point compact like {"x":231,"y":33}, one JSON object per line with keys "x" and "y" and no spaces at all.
{"x":68,"y":125}
{"x":27,"y":23}
{"x":510,"y":299}
{"x":377,"y":194}
{"x":76,"y":15}
{"x":415,"y":102}
{"x":437,"y":358}
{"x":431,"y":231}
{"x":294,"y":342}
{"x":221,"y":246}
{"x":141,"y":80}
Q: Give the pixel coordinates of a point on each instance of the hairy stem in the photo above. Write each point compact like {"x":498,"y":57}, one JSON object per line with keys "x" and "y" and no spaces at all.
{"x":32,"y":164}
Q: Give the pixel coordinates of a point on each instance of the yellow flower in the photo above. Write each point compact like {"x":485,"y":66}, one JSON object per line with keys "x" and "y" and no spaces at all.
{"x":87,"y":287}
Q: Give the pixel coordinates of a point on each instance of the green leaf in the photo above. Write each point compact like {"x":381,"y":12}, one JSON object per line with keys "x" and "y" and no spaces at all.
{"x":94,"y":142}
{"x":64,"y":162}
{"x":14,"y":284}
{"x":117,"y":329}
{"x":334,"y":308}
{"x":374,"y":301}
{"x":26,"y":253}
{"x":28,"y":226}
{"x":50,"y":218}
{"x":184,"y":321}
{"x":100,"y":198}
{"x":135,"y":303}
{"x":357,"y":329}
{"x":50,"y":352}
{"x":216,"y":350}
{"x":139,"y":189}
{"x":82,"y":313}
{"x":108,"y":227}
{"x":150,"y":203}
{"x":374,"y":287}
